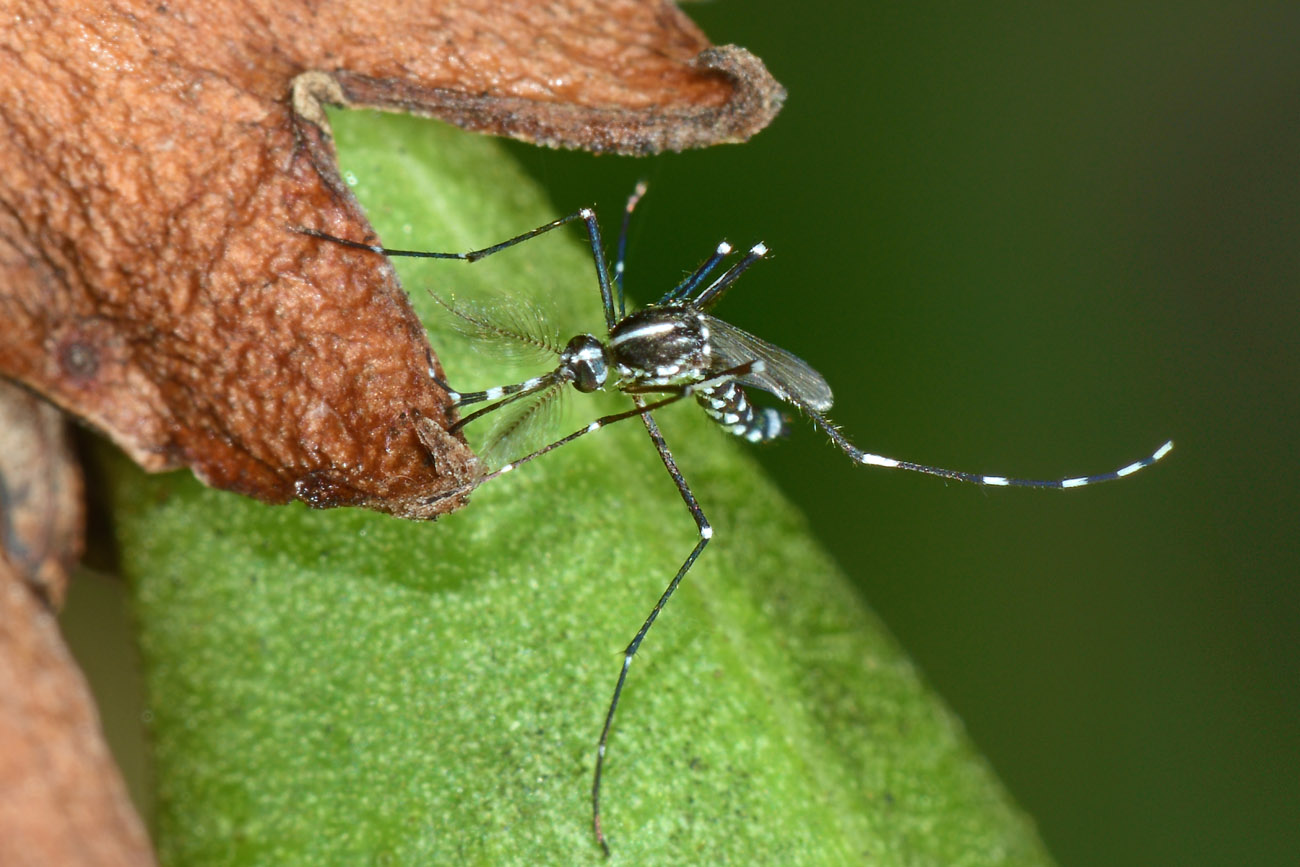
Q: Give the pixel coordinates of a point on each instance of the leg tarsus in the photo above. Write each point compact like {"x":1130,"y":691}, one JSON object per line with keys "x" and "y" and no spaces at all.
{"x":705,"y":532}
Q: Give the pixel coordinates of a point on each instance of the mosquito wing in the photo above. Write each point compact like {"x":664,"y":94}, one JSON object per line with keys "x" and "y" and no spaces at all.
{"x":784,"y":374}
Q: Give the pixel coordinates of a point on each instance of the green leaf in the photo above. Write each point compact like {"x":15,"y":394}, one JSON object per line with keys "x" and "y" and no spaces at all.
{"x":343,"y":687}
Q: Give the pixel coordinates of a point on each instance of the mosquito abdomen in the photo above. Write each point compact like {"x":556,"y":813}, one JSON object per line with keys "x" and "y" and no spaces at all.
{"x":729,"y":406}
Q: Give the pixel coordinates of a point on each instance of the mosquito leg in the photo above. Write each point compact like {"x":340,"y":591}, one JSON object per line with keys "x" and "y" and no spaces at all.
{"x":861,"y":457}
{"x":518,"y":389}
{"x":632,"y":201}
{"x":689,"y":285}
{"x":587,"y":215}
{"x":603,"y":421}
{"x":711,"y":295}
{"x":508,"y":394}
{"x":674,"y":393}
{"x":452,"y":394}
{"x":705,"y":534}
{"x":471,"y":256}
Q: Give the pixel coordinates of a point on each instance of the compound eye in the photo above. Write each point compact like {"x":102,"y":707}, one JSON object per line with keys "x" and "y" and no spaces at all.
{"x":588,"y":378}
{"x":586,"y":360}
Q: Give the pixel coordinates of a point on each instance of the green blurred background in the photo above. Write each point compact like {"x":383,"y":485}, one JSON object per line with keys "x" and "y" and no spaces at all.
{"x":1025,"y":239}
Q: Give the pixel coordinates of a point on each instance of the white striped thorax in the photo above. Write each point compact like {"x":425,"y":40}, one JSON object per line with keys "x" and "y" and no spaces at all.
{"x":661,"y":346}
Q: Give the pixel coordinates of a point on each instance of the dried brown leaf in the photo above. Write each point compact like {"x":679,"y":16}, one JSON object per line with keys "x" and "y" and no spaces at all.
{"x":62,"y":800}
{"x":41,"y":511}
{"x":155,"y":155}
{"x":156,"y":152}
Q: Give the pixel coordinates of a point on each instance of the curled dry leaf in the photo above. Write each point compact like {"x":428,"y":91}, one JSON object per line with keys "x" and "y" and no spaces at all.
{"x":156,"y":153}
{"x":62,"y":800}
{"x":41,"y":510}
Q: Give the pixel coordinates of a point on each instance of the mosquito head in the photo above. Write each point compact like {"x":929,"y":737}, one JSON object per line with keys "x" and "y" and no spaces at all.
{"x":585,"y":362}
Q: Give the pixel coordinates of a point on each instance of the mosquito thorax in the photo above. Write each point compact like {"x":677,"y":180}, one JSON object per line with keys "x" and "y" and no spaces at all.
{"x":586,"y":363}
{"x":661,"y":346}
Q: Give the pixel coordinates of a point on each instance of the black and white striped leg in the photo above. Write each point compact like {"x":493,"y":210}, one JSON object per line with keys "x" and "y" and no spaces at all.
{"x":452,"y":394}
{"x":691,"y":283}
{"x":705,"y":534}
{"x":465,"y":398}
{"x":632,"y":202}
{"x":508,"y":394}
{"x":674,"y":394}
{"x":603,"y":421}
{"x":861,"y":457}
{"x":713,"y":293}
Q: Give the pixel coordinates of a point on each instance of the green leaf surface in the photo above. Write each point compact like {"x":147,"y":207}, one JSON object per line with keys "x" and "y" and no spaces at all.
{"x":343,"y":687}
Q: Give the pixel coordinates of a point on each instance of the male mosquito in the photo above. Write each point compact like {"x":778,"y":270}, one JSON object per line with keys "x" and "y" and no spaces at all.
{"x":665,"y":352}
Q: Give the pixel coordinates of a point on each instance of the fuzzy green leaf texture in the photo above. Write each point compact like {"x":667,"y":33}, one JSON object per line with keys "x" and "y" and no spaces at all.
{"x":341,"y":687}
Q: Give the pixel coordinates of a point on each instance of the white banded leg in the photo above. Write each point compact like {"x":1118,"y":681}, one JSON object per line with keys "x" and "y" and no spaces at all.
{"x":705,"y":532}
{"x":861,"y":457}
{"x":713,"y":293}
{"x":632,"y":202}
{"x":603,"y":421}
{"x":503,"y":395}
{"x":675,"y":393}
{"x":465,"y":398}
{"x":691,"y":283}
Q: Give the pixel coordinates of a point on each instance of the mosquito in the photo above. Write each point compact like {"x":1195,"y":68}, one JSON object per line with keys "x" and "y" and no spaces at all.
{"x":660,"y":354}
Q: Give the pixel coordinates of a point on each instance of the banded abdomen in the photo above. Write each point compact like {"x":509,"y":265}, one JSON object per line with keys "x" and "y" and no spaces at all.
{"x":728,"y":405}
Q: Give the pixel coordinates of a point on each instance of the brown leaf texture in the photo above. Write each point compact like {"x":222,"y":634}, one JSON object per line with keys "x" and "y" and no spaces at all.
{"x":62,"y":800}
{"x":155,"y":153}
{"x":41,"y":510}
